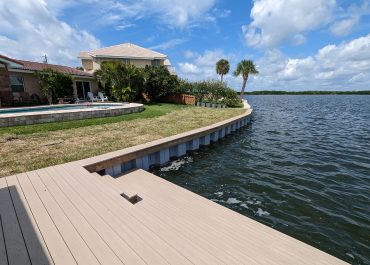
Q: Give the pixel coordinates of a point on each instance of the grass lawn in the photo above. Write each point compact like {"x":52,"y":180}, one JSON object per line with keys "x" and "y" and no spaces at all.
{"x":25,"y":148}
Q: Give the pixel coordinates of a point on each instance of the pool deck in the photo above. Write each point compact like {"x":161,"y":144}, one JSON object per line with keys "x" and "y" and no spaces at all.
{"x":43,"y":114}
{"x":66,"y":214}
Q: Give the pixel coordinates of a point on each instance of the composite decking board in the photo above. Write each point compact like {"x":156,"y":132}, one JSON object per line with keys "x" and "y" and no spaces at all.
{"x":264,"y":235}
{"x":3,"y":255}
{"x":199,"y":256}
{"x":256,"y":238}
{"x":195,"y":238}
{"x":214,"y":241}
{"x":96,"y":244}
{"x":57,"y":247}
{"x":220,"y":243}
{"x":195,"y":247}
{"x":14,"y":242}
{"x":116,"y":211}
{"x":37,"y":249}
{"x":273,"y":242}
{"x":72,"y":237}
{"x":116,"y":243}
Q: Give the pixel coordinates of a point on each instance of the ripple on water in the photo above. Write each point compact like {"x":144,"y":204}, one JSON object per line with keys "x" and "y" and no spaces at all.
{"x":302,"y":167}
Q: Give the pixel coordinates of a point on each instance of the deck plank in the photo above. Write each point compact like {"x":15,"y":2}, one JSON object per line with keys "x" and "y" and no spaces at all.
{"x":187,"y":236}
{"x":3,"y":255}
{"x":78,"y":247}
{"x":79,"y":198}
{"x":95,"y":242}
{"x":119,"y":213}
{"x":249,"y":235}
{"x":58,"y":249}
{"x":190,"y":226}
{"x":37,"y":249}
{"x":14,"y":242}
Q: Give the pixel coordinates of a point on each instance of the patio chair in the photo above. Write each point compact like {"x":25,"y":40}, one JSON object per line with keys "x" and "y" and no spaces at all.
{"x":91,"y":97}
{"x":102,"y":97}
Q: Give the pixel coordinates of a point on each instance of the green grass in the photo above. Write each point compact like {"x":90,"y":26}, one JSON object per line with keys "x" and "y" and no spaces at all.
{"x":150,"y":111}
{"x":26,"y":148}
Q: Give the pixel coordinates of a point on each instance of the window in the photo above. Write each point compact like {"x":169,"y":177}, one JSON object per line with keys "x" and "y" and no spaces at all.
{"x":156,"y":62}
{"x":17,"y":83}
{"x":82,"y":89}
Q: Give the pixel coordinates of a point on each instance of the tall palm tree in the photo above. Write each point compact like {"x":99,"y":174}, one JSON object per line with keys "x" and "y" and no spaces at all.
{"x":222,"y":68}
{"x":245,"y":68}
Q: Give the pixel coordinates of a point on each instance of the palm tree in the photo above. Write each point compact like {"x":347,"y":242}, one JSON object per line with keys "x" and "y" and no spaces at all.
{"x":245,"y":68}
{"x":222,"y":68}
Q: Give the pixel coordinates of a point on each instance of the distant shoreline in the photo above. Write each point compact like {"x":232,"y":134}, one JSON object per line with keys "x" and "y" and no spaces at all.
{"x":277,"y":92}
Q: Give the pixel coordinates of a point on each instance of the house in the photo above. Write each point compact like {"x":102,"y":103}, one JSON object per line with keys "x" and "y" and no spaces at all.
{"x":126,"y":52}
{"x":17,"y":79}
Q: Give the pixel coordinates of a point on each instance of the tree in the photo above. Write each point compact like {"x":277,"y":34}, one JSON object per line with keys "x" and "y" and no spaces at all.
{"x":124,"y":80}
{"x":159,"y":82}
{"x":245,"y":68}
{"x":222,"y":68}
{"x":54,"y":84}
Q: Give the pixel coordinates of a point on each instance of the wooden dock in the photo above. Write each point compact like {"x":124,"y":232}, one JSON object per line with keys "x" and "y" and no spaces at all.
{"x":66,"y":215}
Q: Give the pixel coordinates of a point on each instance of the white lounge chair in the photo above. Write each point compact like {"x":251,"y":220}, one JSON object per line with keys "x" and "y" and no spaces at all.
{"x":102,"y":97}
{"x":91,"y":97}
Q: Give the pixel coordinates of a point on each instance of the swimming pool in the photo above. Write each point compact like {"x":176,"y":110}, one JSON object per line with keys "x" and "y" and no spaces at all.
{"x":57,"y":108}
{"x":65,"y":112}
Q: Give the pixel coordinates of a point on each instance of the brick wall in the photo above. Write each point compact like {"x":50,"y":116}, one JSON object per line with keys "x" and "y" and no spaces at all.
{"x":4,"y":78}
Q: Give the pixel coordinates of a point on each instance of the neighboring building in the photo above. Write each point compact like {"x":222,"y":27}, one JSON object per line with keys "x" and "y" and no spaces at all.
{"x":126,"y":52}
{"x":17,"y":78}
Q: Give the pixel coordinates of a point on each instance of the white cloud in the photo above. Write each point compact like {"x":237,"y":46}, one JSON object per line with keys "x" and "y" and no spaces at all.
{"x":349,"y":19}
{"x":29,"y":30}
{"x":188,"y":68}
{"x":124,"y":26}
{"x":275,"y":21}
{"x":168,"y":44}
{"x":343,"y":27}
{"x":173,"y":13}
{"x":203,"y":66}
{"x":342,"y":66}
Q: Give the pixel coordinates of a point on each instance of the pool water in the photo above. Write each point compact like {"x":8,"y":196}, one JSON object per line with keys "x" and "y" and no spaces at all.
{"x":56,"y":108}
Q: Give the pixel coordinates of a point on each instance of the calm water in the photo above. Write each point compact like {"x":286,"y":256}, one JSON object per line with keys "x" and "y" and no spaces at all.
{"x":302,"y":167}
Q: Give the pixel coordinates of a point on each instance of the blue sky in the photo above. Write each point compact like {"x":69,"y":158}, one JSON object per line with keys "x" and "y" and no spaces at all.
{"x":296,"y":44}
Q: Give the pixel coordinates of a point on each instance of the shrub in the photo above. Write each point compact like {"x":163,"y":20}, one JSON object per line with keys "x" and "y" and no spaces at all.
{"x":124,"y":81}
{"x":231,"y":99}
{"x":54,"y":84}
{"x":159,"y":82}
{"x":184,"y":87}
{"x":211,"y":91}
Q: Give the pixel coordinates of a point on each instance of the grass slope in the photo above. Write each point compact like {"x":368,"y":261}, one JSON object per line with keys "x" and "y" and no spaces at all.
{"x":28,"y":148}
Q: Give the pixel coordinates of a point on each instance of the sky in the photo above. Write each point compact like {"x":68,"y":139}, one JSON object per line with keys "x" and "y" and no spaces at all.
{"x":295,"y":44}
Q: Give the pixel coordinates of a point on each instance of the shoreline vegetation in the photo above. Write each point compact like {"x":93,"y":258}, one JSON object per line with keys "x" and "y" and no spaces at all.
{"x":317,"y":92}
{"x":30,"y":147}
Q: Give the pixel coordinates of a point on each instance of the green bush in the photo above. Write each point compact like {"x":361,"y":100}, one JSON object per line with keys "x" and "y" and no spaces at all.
{"x":184,"y":87}
{"x":231,"y":99}
{"x":54,"y":84}
{"x":159,"y":82}
{"x":124,"y":81}
{"x":212,"y":91}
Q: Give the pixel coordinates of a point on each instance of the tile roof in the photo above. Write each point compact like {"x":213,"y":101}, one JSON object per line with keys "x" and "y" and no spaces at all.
{"x":35,"y":66}
{"x":8,"y":60}
{"x":125,"y":50}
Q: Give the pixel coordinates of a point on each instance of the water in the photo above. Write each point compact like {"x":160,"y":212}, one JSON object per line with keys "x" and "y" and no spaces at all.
{"x":56,"y":108}
{"x":301,"y":167}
